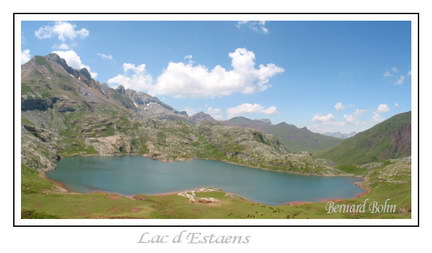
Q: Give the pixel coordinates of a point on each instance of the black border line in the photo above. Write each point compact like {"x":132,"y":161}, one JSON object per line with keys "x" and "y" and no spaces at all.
{"x":228,"y":13}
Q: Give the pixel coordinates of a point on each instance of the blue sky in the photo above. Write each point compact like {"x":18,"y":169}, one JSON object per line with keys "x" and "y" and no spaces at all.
{"x":328,"y":76}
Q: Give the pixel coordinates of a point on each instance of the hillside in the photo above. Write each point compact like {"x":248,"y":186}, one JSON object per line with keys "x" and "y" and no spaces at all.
{"x":65,"y":112}
{"x":389,"y":139}
{"x":295,"y":139}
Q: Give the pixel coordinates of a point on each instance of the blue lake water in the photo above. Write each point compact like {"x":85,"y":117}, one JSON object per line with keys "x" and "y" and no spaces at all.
{"x":130,"y":175}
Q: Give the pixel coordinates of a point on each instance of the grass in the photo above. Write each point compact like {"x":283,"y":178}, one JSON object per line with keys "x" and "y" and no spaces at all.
{"x":32,"y":182}
{"x":25,"y":89}
{"x":74,"y":146}
{"x":42,"y":61}
{"x":351,"y":169}
{"x":32,"y":214}
{"x":94,"y":205}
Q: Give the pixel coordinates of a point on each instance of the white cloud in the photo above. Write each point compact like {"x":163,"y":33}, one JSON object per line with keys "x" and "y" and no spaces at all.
{"x":189,"y":59}
{"x":188,"y":80}
{"x":359,"y":112}
{"x":382,"y":108}
{"x":387,"y":74}
{"x":249,"y":109}
{"x":354,"y":118}
{"x":323,"y":118}
{"x":339,"y":106}
{"x":338,"y":123}
{"x":349,"y":118}
{"x":257,"y":26}
{"x":63,"y":46}
{"x":73,"y":60}
{"x":392,"y":75}
{"x":400,"y":80}
{"x":105,"y":56}
{"x":396,"y":105}
{"x":63,"y":30}
{"x":134,"y":77}
{"x":377,"y":117}
{"x":25,"y":56}
{"x":329,"y":119}
{"x":216,"y":113}
{"x":132,"y":67}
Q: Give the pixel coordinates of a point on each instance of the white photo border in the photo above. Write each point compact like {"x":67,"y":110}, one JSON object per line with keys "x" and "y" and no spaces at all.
{"x":412,"y":17}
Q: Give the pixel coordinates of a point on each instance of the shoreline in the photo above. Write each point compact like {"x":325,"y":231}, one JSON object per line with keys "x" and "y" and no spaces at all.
{"x":358,"y":195}
{"x":64,"y":189}
{"x":281,"y":171}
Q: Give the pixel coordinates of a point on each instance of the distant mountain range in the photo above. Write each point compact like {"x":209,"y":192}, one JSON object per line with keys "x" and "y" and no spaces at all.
{"x":388,"y":139}
{"x":340,"y":135}
{"x":295,"y":139}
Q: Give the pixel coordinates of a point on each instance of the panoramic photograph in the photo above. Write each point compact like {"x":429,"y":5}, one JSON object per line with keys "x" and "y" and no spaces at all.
{"x":228,"y":119}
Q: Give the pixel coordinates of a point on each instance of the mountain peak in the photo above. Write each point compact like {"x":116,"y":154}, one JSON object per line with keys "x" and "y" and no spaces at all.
{"x":267,"y":121}
{"x":240,"y":118}
{"x":55,"y":57}
{"x":77,"y":89}
{"x":84,"y":72}
{"x":121,"y":89}
{"x":201,"y":116}
{"x":282,"y":124}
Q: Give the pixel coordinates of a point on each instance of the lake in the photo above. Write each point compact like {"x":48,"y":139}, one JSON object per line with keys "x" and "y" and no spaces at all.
{"x":130,"y":175}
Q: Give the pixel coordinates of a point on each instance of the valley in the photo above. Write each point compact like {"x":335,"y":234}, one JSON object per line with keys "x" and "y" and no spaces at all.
{"x":64,"y":112}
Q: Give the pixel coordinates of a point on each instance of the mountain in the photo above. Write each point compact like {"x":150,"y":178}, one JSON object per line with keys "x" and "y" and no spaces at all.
{"x":49,"y":83}
{"x":340,"y":135}
{"x":295,"y":139}
{"x":267,"y":121}
{"x":202,"y":117}
{"x":388,"y":139}
{"x":65,"y":112}
{"x":244,"y":122}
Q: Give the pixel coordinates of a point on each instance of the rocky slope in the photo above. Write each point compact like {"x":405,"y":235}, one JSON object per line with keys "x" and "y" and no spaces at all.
{"x":295,"y":139}
{"x":389,"y":139}
{"x":65,"y":112}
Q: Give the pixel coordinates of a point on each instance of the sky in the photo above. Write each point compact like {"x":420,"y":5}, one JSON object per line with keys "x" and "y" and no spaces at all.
{"x":330,"y":76}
